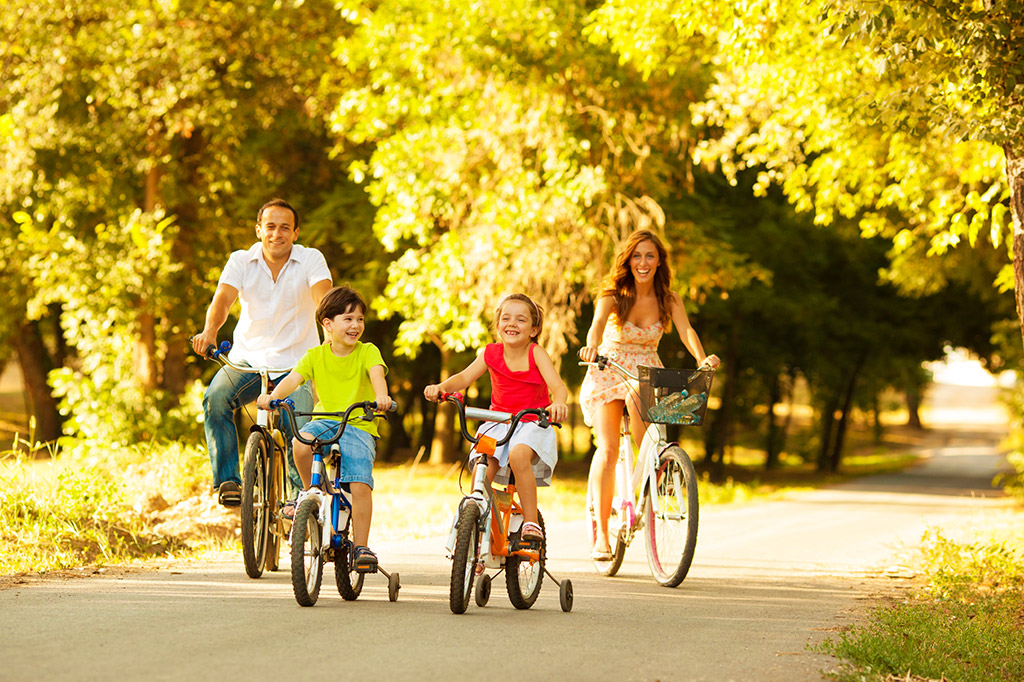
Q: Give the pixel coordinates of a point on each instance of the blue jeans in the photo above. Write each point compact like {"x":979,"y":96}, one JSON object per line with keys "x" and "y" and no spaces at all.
{"x":229,"y":391}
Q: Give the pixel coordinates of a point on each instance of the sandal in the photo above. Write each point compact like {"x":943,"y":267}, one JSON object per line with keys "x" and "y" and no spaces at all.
{"x":229,"y":494}
{"x":531,"y":531}
{"x":365,"y":560}
{"x":601,"y":555}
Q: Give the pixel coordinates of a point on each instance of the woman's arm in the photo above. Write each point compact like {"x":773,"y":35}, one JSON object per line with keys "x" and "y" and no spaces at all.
{"x":558,"y":410}
{"x":687,"y":334}
{"x":602,"y":311}
{"x":458,"y":382}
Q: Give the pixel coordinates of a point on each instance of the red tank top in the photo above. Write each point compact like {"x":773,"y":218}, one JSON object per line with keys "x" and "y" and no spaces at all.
{"x":514,"y":391}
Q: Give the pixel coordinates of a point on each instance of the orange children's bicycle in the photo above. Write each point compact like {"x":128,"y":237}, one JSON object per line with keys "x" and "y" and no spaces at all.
{"x":487,"y":532}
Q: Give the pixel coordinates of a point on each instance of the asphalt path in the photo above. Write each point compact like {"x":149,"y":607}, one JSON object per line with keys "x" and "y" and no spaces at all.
{"x":769,"y":581}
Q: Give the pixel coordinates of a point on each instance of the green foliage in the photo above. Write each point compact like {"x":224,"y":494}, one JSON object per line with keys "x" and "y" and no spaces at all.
{"x":101,"y":396}
{"x":966,"y":628}
{"x":508,"y":154}
{"x":73,"y":517}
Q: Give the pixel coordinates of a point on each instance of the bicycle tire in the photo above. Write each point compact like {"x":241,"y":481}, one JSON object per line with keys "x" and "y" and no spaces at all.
{"x":524,"y":578}
{"x":348,"y":580}
{"x":672,"y":533}
{"x":278,"y":495}
{"x":616,"y":535}
{"x":307,"y":553}
{"x":256,"y":503}
{"x":464,"y":557}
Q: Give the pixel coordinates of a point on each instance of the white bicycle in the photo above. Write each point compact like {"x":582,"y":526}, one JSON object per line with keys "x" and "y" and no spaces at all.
{"x":657,"y":496}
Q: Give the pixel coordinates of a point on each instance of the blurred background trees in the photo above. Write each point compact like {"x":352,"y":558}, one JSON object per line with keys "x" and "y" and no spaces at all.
{"x":836,"y":184}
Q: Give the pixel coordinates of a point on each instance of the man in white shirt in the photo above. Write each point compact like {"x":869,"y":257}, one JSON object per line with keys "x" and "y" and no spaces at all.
{"x":279,"y":284}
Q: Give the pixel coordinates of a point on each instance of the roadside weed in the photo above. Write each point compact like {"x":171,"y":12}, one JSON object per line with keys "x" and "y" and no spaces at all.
{"x":966,"y":624}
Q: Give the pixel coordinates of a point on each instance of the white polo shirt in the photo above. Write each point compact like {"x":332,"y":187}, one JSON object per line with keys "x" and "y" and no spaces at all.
{"x":277,"y":324}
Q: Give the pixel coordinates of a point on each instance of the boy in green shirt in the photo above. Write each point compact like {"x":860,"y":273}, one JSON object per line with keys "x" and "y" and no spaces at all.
{"x":344,"y":371}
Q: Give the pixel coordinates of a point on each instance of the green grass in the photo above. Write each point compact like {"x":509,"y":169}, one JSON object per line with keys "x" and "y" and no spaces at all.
{"x":87,"y":505}
{"x":966,"y":623}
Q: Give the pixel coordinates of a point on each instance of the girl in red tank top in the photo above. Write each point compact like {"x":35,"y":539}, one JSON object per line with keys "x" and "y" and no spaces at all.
{"x":522,"y":376}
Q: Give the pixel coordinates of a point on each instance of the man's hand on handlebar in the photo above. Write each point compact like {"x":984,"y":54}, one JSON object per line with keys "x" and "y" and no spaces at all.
{"x":203,"y":341}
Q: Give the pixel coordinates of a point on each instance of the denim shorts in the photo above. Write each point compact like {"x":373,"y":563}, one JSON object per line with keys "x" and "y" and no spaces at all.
{"x":358,"y":449}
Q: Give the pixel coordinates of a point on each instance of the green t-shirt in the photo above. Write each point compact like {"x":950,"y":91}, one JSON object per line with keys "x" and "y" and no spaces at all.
{"x":341,"y":381}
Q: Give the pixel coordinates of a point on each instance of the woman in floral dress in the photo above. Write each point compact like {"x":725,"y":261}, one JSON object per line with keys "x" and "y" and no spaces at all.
{"x":635,"y":307}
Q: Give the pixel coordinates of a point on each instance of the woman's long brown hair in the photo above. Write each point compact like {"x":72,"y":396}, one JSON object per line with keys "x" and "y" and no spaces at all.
{"x":621,"y":285}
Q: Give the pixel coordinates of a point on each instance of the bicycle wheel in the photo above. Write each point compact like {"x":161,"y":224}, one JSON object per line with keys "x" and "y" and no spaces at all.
{"x":467,"y":544}
{"x":616,"y":534}
{"x":671,"y":532}
{"x":276,"y":496}
{"x":349,"y":581}
{"x":255,"y":505}
{"x":524,"y":578}
{"x":307,"y":554}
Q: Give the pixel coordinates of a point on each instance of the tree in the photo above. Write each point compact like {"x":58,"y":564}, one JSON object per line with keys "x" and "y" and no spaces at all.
{"x":903,"y":116}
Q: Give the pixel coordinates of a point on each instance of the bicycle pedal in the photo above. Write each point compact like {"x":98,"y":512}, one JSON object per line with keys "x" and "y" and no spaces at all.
{"x":366,"y":569}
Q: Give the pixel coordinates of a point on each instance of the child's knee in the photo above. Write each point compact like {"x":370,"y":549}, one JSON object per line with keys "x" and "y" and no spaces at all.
{"x":521,"y":456}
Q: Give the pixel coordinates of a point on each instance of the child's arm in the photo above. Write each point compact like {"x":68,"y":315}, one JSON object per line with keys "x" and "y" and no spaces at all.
{"x":283,"y":389}
{"x":457,"y":382}
{"x":558,"y":410}
{"x":380,"y":388}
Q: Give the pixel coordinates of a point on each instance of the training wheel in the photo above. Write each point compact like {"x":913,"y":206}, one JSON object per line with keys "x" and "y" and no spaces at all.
{"x":565,"y":595}
{"x":393,"y":587}
{"x":483,"y":589}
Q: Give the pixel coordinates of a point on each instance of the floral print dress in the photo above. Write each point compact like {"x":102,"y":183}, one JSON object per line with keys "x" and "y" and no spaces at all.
{"x":630,"y":346}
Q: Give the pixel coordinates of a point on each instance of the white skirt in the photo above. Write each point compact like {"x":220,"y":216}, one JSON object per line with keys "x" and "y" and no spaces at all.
{"x":542,"y":441}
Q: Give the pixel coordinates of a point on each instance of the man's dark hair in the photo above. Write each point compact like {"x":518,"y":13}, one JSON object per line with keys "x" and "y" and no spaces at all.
{"x":283,"y":204}
{"x":338,"y":301}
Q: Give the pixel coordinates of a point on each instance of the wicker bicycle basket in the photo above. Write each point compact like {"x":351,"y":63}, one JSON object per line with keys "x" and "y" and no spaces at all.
{"x":674,"y":396}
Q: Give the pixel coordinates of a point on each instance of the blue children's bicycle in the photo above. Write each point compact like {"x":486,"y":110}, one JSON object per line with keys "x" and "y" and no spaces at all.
{"x":320,"y":529}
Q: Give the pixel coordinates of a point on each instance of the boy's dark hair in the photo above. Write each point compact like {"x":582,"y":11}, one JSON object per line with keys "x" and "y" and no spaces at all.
{"x":338,"y":301}
{"x":283,"y":204}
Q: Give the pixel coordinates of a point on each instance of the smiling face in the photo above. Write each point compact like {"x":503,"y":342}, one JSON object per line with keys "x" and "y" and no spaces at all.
{"x":644,"y":262}
{"x":277,"y":232}
{"x":345,"y":329}
{"x":515,"y":323}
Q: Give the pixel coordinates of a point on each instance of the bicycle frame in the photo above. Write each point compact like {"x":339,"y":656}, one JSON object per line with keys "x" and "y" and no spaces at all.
{"x":498,"y":509}
{"x":339,"y":511}
{"x":644,"y":472}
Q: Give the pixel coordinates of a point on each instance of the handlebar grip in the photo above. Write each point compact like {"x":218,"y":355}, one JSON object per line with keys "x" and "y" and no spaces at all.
{"x":274,"y":404}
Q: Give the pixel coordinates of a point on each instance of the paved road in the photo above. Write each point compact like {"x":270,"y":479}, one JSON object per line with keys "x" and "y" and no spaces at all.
{"x":768,"y":579}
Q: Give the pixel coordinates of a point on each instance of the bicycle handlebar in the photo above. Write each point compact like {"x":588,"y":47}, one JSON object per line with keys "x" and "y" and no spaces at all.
{"x":368,"y":406}
{"x":543,"y":419}
{"x":602,"y":361}
{"x":220,"y":354}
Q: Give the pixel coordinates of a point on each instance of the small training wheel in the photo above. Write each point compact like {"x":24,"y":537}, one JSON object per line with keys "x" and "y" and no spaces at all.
{"x":393,"y":587}
{"x":565,"y":595}
{"x":483,"y":589}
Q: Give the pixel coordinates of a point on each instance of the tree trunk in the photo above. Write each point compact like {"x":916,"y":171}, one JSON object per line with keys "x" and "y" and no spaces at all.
{"x":35,"y":366}
{"x":1015,"y":176}
{"x":772,"y":444}
{"x":828,"y":420}
{"x":840,"y":440}
{"x":442,"y":446}
{"x":913,"y":396}
{"x":723,"y":416}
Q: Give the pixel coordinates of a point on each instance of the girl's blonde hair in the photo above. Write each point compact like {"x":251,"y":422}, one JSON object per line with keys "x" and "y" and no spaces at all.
{"x":536,"y":312}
